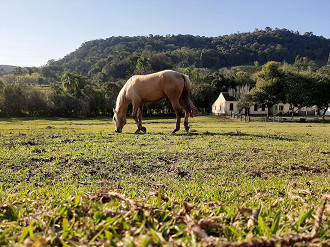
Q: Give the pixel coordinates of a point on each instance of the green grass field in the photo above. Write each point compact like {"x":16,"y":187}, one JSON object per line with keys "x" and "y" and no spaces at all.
{"x":67,"y":182}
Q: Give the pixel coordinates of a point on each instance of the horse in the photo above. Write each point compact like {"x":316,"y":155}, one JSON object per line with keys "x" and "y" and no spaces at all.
{"x":140,"y":89}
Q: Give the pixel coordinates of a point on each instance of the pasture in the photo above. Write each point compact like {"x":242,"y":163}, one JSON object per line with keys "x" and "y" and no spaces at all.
{"x":66,"y":182}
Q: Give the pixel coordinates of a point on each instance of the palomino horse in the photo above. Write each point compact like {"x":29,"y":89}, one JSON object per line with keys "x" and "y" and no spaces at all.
{"x":140,"y":89}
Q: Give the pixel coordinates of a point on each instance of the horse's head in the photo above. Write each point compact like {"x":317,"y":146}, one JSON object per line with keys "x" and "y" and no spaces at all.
{"x":120,"y":121}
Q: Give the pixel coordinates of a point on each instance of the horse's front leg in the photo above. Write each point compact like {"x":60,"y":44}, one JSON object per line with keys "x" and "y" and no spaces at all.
{"x":137,"y":115}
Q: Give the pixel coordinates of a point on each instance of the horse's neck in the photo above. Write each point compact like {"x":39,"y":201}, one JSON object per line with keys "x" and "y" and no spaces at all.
{"x":122,"y":106}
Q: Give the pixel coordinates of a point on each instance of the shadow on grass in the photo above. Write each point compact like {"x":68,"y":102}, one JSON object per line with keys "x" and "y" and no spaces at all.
{"x":238,"y":133}
{"x":207,"y":133}
{"x":72,"y":119}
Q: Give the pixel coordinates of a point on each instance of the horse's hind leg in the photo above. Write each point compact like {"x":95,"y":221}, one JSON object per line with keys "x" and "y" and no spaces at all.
{"x":186,"y":124}
{"x":186,"y":115}
{"x":177,"y":109}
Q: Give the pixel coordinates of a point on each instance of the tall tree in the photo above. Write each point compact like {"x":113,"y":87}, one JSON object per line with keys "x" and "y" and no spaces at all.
{"x":269,"y":86}
{"x":322,"y":92}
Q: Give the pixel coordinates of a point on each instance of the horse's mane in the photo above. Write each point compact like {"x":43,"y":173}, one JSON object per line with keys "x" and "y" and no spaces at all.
{"x":121,"y":96}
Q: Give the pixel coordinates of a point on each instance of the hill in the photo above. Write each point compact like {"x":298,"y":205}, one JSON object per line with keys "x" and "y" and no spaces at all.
{"x":6,"y":68}
{"x":116,"y":57}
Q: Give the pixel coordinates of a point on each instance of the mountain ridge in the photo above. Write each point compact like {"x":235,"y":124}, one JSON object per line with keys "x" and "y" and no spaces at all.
{"x":115,"y":57}
{"x":6,"y":68}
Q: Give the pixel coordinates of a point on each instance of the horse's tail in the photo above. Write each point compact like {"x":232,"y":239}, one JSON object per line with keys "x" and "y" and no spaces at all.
{"x":185,"y":100}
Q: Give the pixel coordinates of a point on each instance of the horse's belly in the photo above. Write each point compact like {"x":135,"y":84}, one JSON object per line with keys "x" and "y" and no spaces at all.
{"x":153,"y":96}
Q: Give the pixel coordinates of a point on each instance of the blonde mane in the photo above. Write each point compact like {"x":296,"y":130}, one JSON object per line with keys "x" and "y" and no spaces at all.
{"x":121,"y":97}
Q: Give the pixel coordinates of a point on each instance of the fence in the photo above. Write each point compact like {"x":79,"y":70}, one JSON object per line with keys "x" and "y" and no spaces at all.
{"x":279,"y":119}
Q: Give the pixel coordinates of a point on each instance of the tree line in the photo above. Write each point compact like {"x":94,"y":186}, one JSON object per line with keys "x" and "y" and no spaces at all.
{"x":302,"y":83}
{"x":282,"y":83}
{"x":87,"y":81}
{"x":114,"y":58}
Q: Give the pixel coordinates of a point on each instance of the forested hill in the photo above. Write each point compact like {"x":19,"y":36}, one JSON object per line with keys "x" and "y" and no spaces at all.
{"x":5,"y":68}
{"x":116,"y":57}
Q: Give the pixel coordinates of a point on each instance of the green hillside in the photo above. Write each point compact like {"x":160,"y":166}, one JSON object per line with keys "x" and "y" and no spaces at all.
{"x":115,"y":57}
{"x":86,"y":82}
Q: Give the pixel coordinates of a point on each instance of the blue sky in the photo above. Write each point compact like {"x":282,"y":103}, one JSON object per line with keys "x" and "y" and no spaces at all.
{"x":35,"y":31}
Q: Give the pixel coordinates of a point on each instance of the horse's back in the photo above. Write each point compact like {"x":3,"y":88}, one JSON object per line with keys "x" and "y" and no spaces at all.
{"x":153,"y":87}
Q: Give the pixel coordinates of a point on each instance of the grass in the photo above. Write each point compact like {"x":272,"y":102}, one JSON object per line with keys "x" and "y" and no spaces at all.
{"x":70,"y":182}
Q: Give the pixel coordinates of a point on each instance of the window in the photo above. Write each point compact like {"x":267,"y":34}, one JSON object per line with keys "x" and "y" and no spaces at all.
{"x":263,"y":107}
{"x":231,"y":107}
{"x":255,"y":107}
{"x":281,"y":108}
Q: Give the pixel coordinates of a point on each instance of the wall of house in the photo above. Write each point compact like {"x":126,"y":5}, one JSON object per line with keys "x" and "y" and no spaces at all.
{"x":222,"y":107}
{"x":280,"y":109}
{"x":308,"y":111}
{"x":260,"y":110}
{"x":285,"y":109}
{"x":218,"y":107}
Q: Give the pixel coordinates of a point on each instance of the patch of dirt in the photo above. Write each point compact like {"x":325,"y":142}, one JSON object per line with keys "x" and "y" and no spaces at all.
{"x":29,"y":143}
{"x":305,"y":168}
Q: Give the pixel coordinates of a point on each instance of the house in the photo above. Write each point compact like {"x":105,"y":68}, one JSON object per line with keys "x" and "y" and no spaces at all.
{"x":282,"y":108}
{"x":226,"y":105}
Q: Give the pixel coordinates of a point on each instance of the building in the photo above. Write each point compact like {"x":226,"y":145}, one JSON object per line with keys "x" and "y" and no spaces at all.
{"x":227,"y":105}
{"x":224,"y":105}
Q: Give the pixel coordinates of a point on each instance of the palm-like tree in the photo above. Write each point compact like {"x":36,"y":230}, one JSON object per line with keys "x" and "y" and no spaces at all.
{"x":73,"y":82}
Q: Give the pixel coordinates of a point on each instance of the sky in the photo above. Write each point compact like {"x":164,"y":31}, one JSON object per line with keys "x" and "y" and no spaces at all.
{"x":33,"y":32}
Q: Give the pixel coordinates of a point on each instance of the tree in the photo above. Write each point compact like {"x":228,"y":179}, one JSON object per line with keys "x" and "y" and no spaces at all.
{"x":269,"y":86}
{"x":203,"y":94}
{"x":13,"y":100}
{"x":299,"y":90}
{"x":304,"y":64}
{"x":243,"y":78}
{"x":111,"y":91}
{"x":322,"y":95}
{"x":160,"y":62}
{"x":143,"y":66}
{"x":36,"y":104}
{"x":73,"y":82}
{"x":245,"y":102}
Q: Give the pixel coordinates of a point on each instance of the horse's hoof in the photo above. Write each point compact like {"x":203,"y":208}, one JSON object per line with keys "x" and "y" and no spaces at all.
{"x":144,"y":130}
{"x":137,"y":131}
{"x":187,"y":128}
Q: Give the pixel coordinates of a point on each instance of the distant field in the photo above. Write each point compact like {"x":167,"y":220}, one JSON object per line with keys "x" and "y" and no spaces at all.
{"x":74,"y":182}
